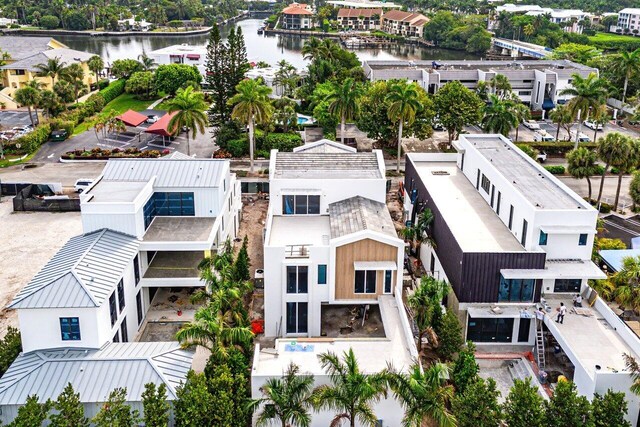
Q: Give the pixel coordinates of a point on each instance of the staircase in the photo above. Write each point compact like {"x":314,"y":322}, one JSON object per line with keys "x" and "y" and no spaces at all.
{"x":517,"y":370}
{"x":540,"y":355}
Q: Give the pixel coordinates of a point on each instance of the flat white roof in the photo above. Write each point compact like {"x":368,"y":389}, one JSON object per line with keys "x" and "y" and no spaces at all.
{"x":181,"y":48}
{"x":372,"y":354}
{"x":115,"y":191}
{"x":474,"y":224}
{"x":558,"y":270}
{"x":300,"y":230}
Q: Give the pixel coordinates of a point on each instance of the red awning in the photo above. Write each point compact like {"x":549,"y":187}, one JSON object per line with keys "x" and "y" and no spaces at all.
{"x":132,"y":118}
{"x":160,"y":127}
{"x":193,"y":56}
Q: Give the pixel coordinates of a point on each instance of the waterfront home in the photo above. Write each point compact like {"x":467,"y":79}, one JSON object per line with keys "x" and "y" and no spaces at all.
{"x":132,"y":24}
{"x":182,"y":54}
{"x":569,"y":19}
{"x":359,"y":19}
{"x":404,"y":24}
{"x":297,"y":16}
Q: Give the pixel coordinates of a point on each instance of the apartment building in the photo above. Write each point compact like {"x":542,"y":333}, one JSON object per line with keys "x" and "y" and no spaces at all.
{"x":359,"y":19}
{"x":569,"y":19}
{"x":364,"y":4}
{"x":510,"y":238}
{"x":297,"y":16}
{"x":182,"y":54}
{"x":404,"y":23}
{"x":538,"y":83}
{"x":628,"y":21}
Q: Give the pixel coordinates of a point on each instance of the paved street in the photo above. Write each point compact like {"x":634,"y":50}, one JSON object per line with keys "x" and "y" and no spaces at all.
{"x":10,"y":119}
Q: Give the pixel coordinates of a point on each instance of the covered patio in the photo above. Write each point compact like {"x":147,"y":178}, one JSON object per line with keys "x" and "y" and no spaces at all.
{"x":161,"y":127}
{"x":174,"y":264}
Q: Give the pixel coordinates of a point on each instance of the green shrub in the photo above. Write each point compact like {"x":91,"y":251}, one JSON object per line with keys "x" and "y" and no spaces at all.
{"x":599,"y":169}
{"x":97,"y":100}
{"x":14,"y":26}
{"x":10,"y":347}
{"x":555,"y":169}
{"x":103,"y":83}
{"x":114,"y":90}
{"x":560,"y":147}
{"x":605,"y":208}
{"x":30,"y":142}
{"x":228,"y":131}
{"x":238,"y":147}
{"x":278,"y":141}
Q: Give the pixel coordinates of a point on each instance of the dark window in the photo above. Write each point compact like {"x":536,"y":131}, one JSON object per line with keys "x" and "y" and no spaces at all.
{"x":543,"y":238}
{"x":70,"y":328}
{"x":365,"y":282}
{"x":322,"y":274}
{"x":486,"y":184}
{"x":168,"y":204}
{"x":432,"y":265}
{"x":287,"y":205}
{"x":314,"y":205}
{"x":498,"y":203}
{"x":120,"y":296}
{"x":523,"y":238}
{"x":523,"y":330}
{"x":478,"y":180}
{"x":490,"y":329}
{"x":297,"y":317}
{"x":301,"y":205}
{"x":136,"y":269}
{"x":123,"y":330}
{"x":139,"y":307}
{"x":510,"y":217}
{"x":493,"y":193}
{"x":582,"y":240}
{"x":516,"y":290}
{"x":297,"y":279}
{"x":116,"y":337}
{"x":462,"y":163}
{"x":567,"y":285}
{"x":112,"y":308}
{"x":387,"y":281}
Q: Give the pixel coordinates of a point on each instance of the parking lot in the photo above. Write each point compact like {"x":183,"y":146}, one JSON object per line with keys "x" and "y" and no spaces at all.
{"x":10,"y":119}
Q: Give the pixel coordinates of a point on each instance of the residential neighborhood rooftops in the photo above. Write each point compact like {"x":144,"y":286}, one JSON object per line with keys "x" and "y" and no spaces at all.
{"x":517,"y":65}
{"x":327,"y":166}
{"x":359,"y":214}
{"x":296,"y":9}
{"x":83,"y":273}
{"x":359,"y":13}
{"x":399,"y":15}
{"x":19,"y":47}
{"x":324,"y":146}
{"x":95,"y":373}
{"x":614,"y":257}
{"x":631,"y":10}
{"x":65,"y":55}
{"x":361,"y":4}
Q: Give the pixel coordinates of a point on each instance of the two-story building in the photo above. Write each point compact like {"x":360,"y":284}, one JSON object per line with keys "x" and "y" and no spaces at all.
{"x":297,"y":16}
{"x":404,"y":24}
{"x":628,"y":21}
{"x":359,"y":19}
{"x":182,"y":54}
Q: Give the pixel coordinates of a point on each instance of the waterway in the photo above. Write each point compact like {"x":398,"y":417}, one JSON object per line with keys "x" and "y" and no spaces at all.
{"x":259,"y":47}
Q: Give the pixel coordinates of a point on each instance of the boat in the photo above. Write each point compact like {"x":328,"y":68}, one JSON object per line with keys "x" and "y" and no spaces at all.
{"x":261,"y":30}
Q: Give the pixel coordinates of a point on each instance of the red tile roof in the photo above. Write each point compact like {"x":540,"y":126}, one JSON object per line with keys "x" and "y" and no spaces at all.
{"x":356,"y":13}
{"x":296,"y":9}
{"x":398,"y":15}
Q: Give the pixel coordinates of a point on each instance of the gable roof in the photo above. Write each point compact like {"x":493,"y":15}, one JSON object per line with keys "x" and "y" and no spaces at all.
{"x":358,"y":214}
{"x":65,"y":55}
{"x":20,"y":47}
{"x":327,"y":166}
{"x":399,"y":15}
{"x":324,"y":146}
{"x":296,"y":9}
{"x":132,"y":118}
{"x":83,"y":273}
{"x":194,"y":173}
{"x":95,"y":373}
{"x":356,"y":13}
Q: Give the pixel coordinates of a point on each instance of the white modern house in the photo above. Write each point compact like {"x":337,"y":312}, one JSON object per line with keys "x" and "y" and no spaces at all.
{"x":182,"y":54}
{"x":511,"y":238}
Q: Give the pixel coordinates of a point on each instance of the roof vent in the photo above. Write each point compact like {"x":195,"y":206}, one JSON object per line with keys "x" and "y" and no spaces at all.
{"x":440,"y":173}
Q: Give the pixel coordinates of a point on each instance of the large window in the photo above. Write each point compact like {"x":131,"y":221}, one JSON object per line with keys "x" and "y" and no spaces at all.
{"x":297,"y":317}
{"x":490,"y":329}
{"x":365,"y":282}
{"x":112,"y":308}
{"x":70,"y":328}
{"x":300,"y":204}
{"x":168,"y":204}
{"x":123,"y":331}
{"x":139,"y":307}
{"x":136,"y":270}
{"x":297,"y":279}
{"x":322,"y":274}
{"x":120,"y":296}
{"x":567,"y":285}
{"x":516,"y":290}
{"x":485,"y":184}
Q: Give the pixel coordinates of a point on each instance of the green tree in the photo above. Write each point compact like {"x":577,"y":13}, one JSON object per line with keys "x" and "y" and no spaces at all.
{"x":351,"y":393}
{"x":217,"y":78}
{"x":419,"y":231}
{"x":64,"y":91}
{"x":465,"y":368}
{"x":171,"y":77}
{"x":575,"y":52}
{"x":343,"y":102}
{"x":10,"y":348}
{"x":141,"y":83}
{"x":610,"y":150}
{"x":148,"y":63}
{"x":124,"y":68}
{"x":115,"y":412}
{"x":404,"y":103}
{"x":426,"y":308}
{"x":230,"y":408}
{"x":238,"y":64}
{"x":32,"y":413}
{"x":588,"y":93}
{"x":50,"y":103}
{"x":242,"y":263}
{"x":625,"y":162}
{"x":609,"y":410}
{"x":96,"y":65}
{"x":286,"y":77}
{"x":627,"y":280}
{"x":563,"y":117}
{"x":457,"y":107}
{"x":189,"y":107}
{"x":69,"y":411}
{"x":52,"y":68}
{"x":478,"y":406}
{"x":499,"y":116}
{"x":193,"y":406}
{"x":288,"y":400}
{"x":501,"y":86}
{"x":566,"y":409}
{"x":634,"y":189}
{"x":523,"y":406}
{"x":582,"y":164}
{"x":522,"y":113}
{"x":424,"y":395}
{"x":449,"y":332}
{"x":627,"y":64}
{"x":251,"y":105}
{"x":155,"y":405}
{"x":49,"y":22}
{"x":27,"y":96}
{"x":74,"y":75}
{"x":284,"y":113}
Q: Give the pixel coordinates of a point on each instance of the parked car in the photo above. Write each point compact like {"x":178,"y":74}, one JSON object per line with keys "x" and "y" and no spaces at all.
{"x":541,"y":156}
{"x":581,"y":138}
{"x":531,"y":124}
{"x":593,"y":125}
{"x":59,"y":135}
{"x":543,"y":136}
{"x":634,"y":122}
{"x":82,"y":184}
{"x":152,"y":118}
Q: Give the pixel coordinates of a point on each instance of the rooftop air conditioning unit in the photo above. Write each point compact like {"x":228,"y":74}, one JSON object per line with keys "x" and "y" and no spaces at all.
{"x":258,"y":278}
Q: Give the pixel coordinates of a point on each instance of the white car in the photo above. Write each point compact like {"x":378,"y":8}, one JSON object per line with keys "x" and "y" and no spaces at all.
{"x":541,"y":156}
{"x":152,"y":118}
{"x":581,"y":138}
{"x":531,"y":124}
{"x":82,"y":184}
{"x":593,"y":125}
{"x":543,"y":136}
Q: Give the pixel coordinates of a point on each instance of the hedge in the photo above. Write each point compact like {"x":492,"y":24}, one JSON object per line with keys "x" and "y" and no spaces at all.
{"x":238,"y":147}
{"x":278,"y":141}
{"x":555,"y":169}
{"x":562,"y":147}
{"x":30,"y":142}
{"x":103,"y":83}
{"x":114,"y":90}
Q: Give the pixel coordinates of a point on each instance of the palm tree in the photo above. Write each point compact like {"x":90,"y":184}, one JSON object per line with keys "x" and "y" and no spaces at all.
{"x":74,"y":75}
{"x":425,"y":305}
{"x":633,"y":368}
{"x":627,"y":159}
{"x":588,"y":93}
{"x":499,"y":116}
{"x":28,"y":96}
{"x":425,"y":396}
{"x":96,"y":65}
{"x":352,"y":393}
{"x":189,"y":107}
{"x":52,"y":68}
{"x":404,"y":103}
{"x":582,"y":164}
{"x":627,"y":64}
{"x":287,"y":399}
{"x":251,"y":105}
{"x":501,"y":86}
{"x":522,"y":113}
{"x":312,"y":48}
{"x":343,"y":102}
{"x":147,"y":62}
{"x":627,"y":292}
{"x":419,"y":232}
{"x":563,"y":117}
{"x":610,"y":149}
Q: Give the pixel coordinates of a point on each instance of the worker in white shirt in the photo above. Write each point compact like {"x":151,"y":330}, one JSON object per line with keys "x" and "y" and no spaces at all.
{"x":562,"y":310}
{"x":577,"y":301}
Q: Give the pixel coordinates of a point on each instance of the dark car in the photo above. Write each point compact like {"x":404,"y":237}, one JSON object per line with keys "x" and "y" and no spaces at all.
{"x":59,"y":135}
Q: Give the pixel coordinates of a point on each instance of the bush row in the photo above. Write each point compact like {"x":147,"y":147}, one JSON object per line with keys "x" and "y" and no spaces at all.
{"x":112,"y":91}
{"x":555,"y":169}
{"x":560,"y":147}
{"x":239,"y":147}
{"x":30,"y":142}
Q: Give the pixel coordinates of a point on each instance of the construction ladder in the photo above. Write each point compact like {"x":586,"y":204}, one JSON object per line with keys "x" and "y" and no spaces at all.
{"x":540,"y":344}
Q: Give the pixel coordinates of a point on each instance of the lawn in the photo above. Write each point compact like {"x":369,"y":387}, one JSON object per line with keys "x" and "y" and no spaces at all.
{"x":610,"y":37}
{"x":122,"y":103}
{"x":611,"y":41}
{"x":6,"y":163}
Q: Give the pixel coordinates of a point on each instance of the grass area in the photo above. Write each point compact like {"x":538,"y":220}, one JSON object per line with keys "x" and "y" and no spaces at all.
{"x":611,"y":37}
{"x":123,"y":103}
{"x":6,"y":163}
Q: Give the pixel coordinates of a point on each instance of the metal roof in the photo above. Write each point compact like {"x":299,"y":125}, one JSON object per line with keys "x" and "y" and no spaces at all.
{"x":95,"y":373}
{"x":20,"y":47}
{"x":324,"y":146}
{"x":83,"y":273}
{"x":357,"y":214}
{"x":172,"y":173}
{"x":327,"y":166}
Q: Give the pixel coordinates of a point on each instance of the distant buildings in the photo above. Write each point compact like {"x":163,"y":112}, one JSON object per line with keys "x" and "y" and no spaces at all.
{"x":404,"y":23}
{"x":297,"y":16}
{"x":628,"y":21}
{"x":359,"y":19}
{"x":569,"y":19}
{"x":182,"y":54}
{"x":364,"y":4}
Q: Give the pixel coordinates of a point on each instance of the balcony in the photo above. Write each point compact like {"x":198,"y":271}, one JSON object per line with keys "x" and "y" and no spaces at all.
{"x":174,"y":268}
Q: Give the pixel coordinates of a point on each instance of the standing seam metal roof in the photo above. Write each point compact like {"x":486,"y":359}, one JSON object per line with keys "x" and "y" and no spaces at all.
{"x":327,"y":165}
{"x":83,"y":273}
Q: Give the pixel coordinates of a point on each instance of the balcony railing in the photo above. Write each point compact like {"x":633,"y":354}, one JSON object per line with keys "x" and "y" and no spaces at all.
{"x":296,"y":251}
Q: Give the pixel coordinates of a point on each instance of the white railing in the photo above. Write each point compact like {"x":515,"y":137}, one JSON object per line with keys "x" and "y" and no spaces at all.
{"x":296,"y":251}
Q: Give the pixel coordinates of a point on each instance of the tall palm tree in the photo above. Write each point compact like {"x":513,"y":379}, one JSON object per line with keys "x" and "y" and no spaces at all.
{"x":287,"y":399}
{"x":96,"y":65}
{"x":425,"y":396}
{"x":588,"y":93}
{"x":75,"y":76}
{"x":351,"y":393}
{"x":499,"y":116}
{"x":52,"y":68}
{"x":404,"y":103}
{"x":563,"y":117}
{"x":189,"y":107}
{"x":582,"y":164}
{"x":312,"y":48}
{"x":147,"y":62}
{"x":343,"y":102}
{"x":610,"y":149}
{"x":633,"y":368}
{"x":627,"y":159}
{"x":501,"y":86}
{"x":522,"y":113}
{"x":627,"y":64}
{"x":251,"y":105}
{"x":425,"y":303}
{"x":28,"y":97}
{"x":627,"y":280}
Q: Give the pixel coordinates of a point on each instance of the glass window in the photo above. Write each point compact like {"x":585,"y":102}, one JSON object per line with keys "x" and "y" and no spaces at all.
{"x":388,"y":274}
{"x":490,"y":329}
{"x":136,"y":269}
{"x":359,"y":283}
{"x":370,"y":287}
{"x":297,"y":279}
{"x":297,"y":317}
{"x":116,"y":337}
{"x":314,"y":205}
{"x":112,"y":308}
{"x":70,"y":328}
{"x":523,"y":238}
{"x":287,"y":205}
{"x":139,"y":307}
{"x":485,"y":184}
{"x":123,"y":330}
{"x":510,"y":217}
{"x":168,"y":204}
{"x":582,"y":241}
{"x":301,"y":205}
{"x":516,"y":290}
{"x":120,"y":296}
{"x":543,"y":238}
{"x":365,"y":282}
{"x":322,"y":274}
{"x":567,"y":285}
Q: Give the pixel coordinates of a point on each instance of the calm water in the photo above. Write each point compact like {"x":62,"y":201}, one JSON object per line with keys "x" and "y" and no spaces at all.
{"x":259,"y":48}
